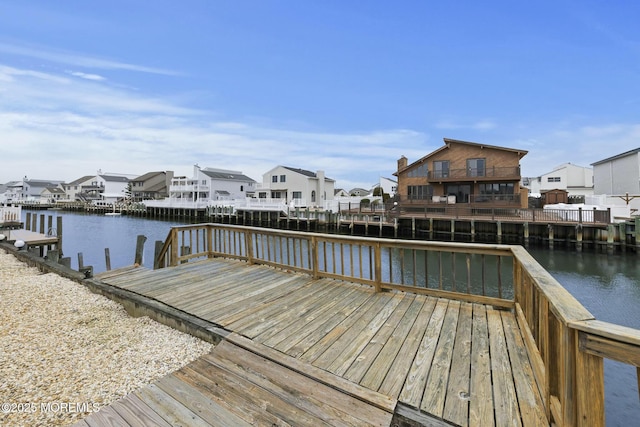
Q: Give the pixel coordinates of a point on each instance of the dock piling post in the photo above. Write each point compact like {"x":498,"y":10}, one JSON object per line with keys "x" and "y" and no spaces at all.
{"x":610,"y":235}
{"x":579,"y":237}
{"x":139,"y":249}
{"x":413,"y":227}
{"x":473,"y":230}
{"x":499,"y":231}
{"x":107,"y":259}
{"x":550,"y":227}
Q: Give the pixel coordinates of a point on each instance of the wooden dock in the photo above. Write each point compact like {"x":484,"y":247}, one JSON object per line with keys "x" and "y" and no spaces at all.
{"x":464,"y":363}
{"x":434,"y":333}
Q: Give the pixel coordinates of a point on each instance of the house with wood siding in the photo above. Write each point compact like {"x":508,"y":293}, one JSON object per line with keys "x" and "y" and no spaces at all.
{"x":151,"y":186}
{"x":463,"y":172}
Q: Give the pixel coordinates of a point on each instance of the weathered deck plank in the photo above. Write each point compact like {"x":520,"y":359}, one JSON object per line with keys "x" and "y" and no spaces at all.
{"x":454,"y":360}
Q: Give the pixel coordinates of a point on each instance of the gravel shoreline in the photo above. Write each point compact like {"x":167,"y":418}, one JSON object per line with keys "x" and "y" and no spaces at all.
{"x":66,"y":352}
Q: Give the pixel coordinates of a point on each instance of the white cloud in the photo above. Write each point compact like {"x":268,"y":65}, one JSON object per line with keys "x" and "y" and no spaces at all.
{"x":87,"y":76}
{"x":60,"y":127}
{"x":80,"y":60}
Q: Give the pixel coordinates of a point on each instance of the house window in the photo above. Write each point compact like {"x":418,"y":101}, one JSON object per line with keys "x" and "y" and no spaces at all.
{"x":420,"y":170}
{"x":496,"y":192}
{"x":274,"y":178}
{"x":242,"y":188}
{"x":283,"y":178}
{"x":313,"y":196}
{"x":419,"y":192}
{"x":553,"y":179}
{"x":297,"y":194}
{"x":262,"y":195}
{"x":441,"y":169}
{"x":475,"y":167}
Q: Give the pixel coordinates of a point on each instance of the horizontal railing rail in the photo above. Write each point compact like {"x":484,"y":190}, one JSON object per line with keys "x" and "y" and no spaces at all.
{"x":426,"y":209}
{"x":565,"y":343}
{"x":436,"y":268}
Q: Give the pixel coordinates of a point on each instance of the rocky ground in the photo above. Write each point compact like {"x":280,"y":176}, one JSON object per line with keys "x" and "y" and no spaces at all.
{"x":65,"y":352}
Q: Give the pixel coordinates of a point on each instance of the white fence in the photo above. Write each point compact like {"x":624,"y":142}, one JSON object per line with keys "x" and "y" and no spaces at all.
{"x":10,"y":214}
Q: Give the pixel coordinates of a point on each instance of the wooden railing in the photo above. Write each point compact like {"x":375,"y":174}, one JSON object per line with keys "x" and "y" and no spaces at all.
{"x":464,"y":210}
{"x":565,"y":343}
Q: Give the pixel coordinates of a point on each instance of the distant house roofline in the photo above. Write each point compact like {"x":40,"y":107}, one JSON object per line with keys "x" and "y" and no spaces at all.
{"x":617,"y":156}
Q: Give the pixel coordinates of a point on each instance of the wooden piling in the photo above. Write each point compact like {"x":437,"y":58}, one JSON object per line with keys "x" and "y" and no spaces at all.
{"x":550,"y":227}
{"x":579,"y":237}
{"x":107,"y":259}
{"x":139,"y":249}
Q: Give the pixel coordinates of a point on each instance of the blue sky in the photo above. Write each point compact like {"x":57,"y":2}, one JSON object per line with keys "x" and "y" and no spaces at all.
{"x":342,"y":86}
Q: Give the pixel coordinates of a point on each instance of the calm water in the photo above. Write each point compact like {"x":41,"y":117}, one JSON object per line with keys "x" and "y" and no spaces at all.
{"x":607,"y":285}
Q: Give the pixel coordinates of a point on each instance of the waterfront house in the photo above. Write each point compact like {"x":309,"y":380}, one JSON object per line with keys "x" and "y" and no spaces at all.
{"x":151,"y":186}
{"x":463,"y":172}
{"x":10,"y":192}
{"x":340,"y":192}
{"x":618,"y":175}
{"x":52,"y":194}
{"x":209,"y":186}
{"x":575,"y":180}
{"x":80,"y":188}
{"x":30,"y":190}
{"x":297,"y":187}
{"x":388,"y":186}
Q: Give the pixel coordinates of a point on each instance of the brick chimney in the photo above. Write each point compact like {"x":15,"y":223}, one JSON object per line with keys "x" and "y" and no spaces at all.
{"x":402,"y":163}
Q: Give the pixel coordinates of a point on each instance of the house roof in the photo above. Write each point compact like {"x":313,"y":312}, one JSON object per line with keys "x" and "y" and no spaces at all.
{"x":55,"y":190}
{"x":81,"y":180}
{"x":114,"y":178}
{"x":305,"y":172}
{"x":148,"y":175}
{"x":39,"y":183}
{"x":617,"y":156}
{"x":227,"y":175}
{"x":449,"y":141}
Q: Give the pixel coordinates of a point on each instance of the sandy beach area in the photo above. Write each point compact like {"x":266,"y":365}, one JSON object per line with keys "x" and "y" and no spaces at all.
{"x":66,"y":352}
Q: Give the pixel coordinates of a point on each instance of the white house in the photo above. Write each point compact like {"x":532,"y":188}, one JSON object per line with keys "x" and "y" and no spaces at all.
{"x":28,"y":189}
{"x":206,"y":187}
{"x":80,"y":188}
{"x":618,"y":175}
{"x":576,"y":180}
{"x":52,"y":194}
{"x":297,"y":187}
{"x":389,"y":186}
{"x":11,"y":192}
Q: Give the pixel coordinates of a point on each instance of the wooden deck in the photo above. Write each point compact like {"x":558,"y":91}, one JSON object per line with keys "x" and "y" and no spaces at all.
{"x":464,"y":363}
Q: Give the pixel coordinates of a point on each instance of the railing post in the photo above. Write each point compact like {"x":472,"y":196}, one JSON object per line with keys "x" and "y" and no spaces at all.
{"x":248,"y":243}
{"x":378,"y":267}
{"x":174,"y":248}
{"x":314,"y":256}
{"x":580,"y":215}
{"x":209,"y":241}
{"x":589,"y":385}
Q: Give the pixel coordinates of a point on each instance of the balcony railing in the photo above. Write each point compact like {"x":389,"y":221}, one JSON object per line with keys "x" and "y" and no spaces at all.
{"x":468,"y":174}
